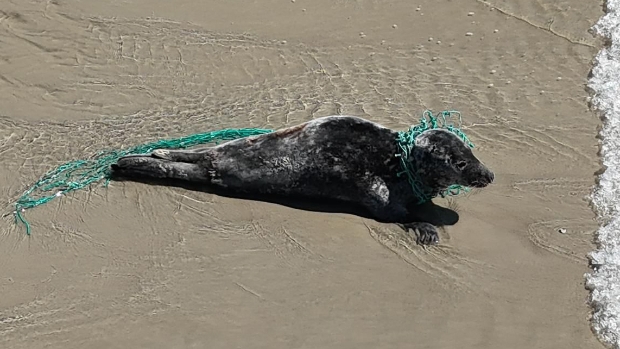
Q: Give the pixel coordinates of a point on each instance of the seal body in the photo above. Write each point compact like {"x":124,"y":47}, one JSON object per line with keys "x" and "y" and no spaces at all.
{"x":346,"y":158}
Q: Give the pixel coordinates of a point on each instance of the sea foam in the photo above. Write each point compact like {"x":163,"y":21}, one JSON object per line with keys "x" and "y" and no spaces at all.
{"x":604,"y":280}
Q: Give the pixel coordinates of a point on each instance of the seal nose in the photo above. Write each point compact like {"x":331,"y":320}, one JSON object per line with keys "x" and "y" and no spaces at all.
{"x":489,"y":177}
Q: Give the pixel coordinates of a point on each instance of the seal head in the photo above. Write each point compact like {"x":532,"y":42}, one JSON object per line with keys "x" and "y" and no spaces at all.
{"x":442,"y":159}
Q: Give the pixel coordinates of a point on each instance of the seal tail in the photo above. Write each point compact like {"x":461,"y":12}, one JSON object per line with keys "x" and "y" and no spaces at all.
{"x":148,"y":167}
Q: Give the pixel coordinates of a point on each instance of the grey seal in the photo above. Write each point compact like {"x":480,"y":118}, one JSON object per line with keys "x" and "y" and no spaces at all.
{"x":346,"y":158}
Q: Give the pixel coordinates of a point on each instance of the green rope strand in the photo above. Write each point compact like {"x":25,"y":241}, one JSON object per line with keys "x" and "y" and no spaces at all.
{"x":78,"y":174}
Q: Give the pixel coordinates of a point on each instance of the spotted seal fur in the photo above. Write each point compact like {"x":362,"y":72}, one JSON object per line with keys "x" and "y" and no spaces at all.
{"x":345,"y":158}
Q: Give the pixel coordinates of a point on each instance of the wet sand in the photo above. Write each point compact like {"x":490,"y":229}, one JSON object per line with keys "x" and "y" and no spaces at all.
{"x":138,"y":266}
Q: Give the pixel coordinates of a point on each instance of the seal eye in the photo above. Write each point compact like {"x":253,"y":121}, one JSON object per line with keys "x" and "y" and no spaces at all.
{"x":461,"y":165}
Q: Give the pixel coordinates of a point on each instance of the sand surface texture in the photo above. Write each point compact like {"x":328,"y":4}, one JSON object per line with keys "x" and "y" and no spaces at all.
{"x":138,"y":266}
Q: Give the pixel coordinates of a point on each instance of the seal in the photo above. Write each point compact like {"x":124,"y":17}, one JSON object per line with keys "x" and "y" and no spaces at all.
{"x":346,"y":158}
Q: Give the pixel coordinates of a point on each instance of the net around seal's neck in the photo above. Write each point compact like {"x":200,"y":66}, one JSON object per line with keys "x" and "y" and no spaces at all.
{"x":406,"y":143}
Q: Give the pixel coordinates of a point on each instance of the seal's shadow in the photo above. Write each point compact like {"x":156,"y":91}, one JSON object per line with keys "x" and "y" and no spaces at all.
{"x":428,"y":212}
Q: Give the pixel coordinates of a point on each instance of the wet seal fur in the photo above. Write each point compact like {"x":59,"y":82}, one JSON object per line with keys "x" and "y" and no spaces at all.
{"x":345,"y":158}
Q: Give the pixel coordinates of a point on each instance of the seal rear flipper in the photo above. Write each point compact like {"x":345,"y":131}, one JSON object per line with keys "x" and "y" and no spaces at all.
{"x":145,"y":166}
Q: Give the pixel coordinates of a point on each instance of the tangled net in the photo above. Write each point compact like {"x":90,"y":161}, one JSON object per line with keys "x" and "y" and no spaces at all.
{"x":79,"y":174}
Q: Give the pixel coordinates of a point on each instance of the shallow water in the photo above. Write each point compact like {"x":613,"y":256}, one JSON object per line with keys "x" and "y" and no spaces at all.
{"x":147,"y":266}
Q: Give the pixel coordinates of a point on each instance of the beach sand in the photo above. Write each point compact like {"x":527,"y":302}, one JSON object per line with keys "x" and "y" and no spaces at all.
{"x":138,"y":266}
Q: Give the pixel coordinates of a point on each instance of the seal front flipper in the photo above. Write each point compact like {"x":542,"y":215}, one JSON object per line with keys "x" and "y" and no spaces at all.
{"x":145,"y":166}
{"x":179,"y":155}
{"x":426,"y":233}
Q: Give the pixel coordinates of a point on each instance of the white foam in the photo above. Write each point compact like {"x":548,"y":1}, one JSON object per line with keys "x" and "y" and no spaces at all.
{"x":604,"y":280}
